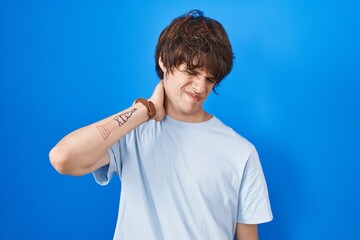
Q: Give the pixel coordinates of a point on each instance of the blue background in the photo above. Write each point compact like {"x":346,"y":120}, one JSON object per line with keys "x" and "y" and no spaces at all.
{"x":294,"y":92}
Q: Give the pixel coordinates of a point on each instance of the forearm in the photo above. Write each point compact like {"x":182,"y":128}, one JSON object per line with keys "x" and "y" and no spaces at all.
{"x":80,"y":151}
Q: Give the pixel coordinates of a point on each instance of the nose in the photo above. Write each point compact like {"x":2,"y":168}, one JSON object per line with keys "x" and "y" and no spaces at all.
{"x":199,"y":84}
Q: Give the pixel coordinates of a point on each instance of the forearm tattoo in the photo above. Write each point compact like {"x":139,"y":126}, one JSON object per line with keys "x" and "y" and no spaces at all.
{"x":114,"y":123}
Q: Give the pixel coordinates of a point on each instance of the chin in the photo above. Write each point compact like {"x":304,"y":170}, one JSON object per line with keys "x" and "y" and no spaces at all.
{"x":191,"y":111}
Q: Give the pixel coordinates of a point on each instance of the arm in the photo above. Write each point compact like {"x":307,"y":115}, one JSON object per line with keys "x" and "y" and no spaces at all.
{"x":85,"y":149}
{"x":246,"y":232}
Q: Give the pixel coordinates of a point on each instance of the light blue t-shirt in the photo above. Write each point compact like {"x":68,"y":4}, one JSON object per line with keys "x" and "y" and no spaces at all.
{"x":186,"y":181}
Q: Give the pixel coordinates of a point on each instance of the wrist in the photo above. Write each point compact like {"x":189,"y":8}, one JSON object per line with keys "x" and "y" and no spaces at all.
{"x":149,"y":106}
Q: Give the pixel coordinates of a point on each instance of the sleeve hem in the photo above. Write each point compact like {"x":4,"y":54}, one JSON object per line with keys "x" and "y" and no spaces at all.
{"x":104,"y":174}
{"x":255,"y":220}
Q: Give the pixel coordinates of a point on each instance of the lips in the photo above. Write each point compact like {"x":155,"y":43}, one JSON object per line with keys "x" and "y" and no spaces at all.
{"x":195,"y":97}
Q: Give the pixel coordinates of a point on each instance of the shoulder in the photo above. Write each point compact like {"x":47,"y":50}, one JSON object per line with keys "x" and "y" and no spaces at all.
{"x":232,"y":136}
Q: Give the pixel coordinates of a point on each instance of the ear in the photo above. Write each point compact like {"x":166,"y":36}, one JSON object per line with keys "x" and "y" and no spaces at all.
{"x":161,"y":64}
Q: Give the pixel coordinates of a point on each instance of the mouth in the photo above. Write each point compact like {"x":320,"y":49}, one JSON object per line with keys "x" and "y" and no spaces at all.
{"x":193,"y":96}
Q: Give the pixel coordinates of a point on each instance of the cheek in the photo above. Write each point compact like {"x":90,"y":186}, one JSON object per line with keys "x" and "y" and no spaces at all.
{"x":209,"y":89}
{"x":169,"y":88}
{"x":171,"y":85}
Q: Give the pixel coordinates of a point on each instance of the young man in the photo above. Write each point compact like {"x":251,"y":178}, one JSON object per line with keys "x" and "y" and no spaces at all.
{"x":184,"y":174}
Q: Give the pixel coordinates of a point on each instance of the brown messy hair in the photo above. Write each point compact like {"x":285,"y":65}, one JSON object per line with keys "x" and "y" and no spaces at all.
{"x":199,"y":42}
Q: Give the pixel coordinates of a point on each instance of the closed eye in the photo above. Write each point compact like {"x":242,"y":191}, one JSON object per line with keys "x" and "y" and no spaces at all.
{"x":211,"y":80}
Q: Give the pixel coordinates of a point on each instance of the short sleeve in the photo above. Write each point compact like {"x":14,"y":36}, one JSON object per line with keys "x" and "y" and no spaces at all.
{"x":254,"y":204}
{"x":104,"y":174}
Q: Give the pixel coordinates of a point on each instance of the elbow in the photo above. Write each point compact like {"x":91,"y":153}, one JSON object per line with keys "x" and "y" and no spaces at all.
{"x":59,"y":159}
{"x":65,"y":162}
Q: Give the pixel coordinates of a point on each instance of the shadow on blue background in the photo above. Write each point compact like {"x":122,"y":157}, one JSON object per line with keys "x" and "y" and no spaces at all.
{"x":294,"y":93}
